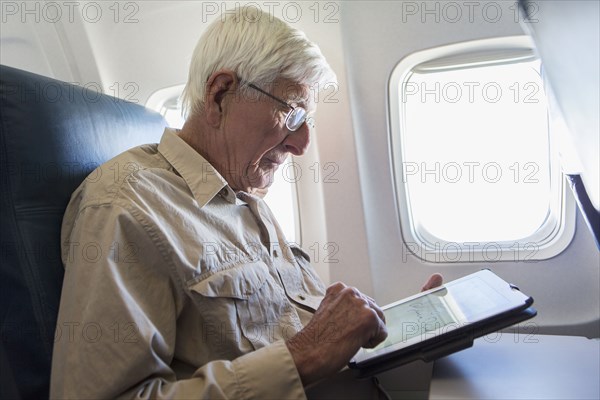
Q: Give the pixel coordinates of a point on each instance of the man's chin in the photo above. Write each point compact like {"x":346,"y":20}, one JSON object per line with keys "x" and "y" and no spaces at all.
{"x":261,"y":183}
{"x":266,"y":178}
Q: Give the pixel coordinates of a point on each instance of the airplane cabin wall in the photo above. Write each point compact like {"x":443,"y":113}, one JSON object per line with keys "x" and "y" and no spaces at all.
{"x":377,"y":35}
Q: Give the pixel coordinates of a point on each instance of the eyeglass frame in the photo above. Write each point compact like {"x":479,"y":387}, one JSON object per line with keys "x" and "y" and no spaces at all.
{"x":309,"y":121}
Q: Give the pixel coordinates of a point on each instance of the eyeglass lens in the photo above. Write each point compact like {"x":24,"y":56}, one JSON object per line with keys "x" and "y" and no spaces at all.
{"x":296,"y":118}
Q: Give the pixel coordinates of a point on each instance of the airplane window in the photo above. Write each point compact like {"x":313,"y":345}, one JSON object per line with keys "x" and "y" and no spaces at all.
{"x":478,"y":139}
{"x":172,"y":114}
{"x":281,"y":196}
{"x":282,"y":200}
{"x":478,"y":171}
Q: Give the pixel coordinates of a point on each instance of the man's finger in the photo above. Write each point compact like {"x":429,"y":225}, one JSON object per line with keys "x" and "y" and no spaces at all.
{"x":335,"y":288}
{"x":379,"y":337}
{"x":434,"y":281}
{"x":371,"y":302}
{"x":377,"y":309}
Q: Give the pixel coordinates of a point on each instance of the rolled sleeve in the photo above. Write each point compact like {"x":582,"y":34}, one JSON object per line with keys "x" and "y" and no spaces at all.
{"x":267,"y":373}
{"x":274,"y":361}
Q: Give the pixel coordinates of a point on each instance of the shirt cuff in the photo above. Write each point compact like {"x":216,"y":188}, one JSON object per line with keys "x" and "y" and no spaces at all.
{"x":275,"y":363}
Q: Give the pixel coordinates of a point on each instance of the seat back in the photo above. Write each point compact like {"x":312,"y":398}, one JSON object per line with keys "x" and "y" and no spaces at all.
{"x":53,"y":134}
{"x":567,"y":38}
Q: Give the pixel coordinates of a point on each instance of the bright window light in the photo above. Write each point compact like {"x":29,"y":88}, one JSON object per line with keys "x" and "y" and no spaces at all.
{"x":173,"y":117}
{"x":475,"y":166}
{"x":281,"y":199}
{"x":476,"y":154}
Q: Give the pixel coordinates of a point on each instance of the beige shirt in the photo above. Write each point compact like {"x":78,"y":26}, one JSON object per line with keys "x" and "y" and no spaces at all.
{"x":175,"y":286}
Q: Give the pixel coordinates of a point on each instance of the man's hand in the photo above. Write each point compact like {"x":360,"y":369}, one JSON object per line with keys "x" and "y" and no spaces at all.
{"x":434,"y":280}
{"x":345,"y":321}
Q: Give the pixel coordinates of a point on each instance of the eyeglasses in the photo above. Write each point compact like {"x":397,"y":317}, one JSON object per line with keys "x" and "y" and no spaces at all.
{"x":295,"y":117}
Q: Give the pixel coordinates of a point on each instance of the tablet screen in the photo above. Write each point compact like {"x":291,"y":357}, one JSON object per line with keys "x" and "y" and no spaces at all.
{"x":419,"y":316}
{"x":456,"y":304}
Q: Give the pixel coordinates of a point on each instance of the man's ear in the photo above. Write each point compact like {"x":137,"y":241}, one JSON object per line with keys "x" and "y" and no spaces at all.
{"x":219,"y":84}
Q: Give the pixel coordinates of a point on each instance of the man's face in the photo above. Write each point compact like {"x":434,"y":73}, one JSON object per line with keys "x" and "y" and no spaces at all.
{"x":256,"y":140}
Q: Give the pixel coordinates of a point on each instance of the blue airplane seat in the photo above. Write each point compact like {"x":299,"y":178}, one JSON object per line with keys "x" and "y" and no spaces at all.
{"x":53,"y":134}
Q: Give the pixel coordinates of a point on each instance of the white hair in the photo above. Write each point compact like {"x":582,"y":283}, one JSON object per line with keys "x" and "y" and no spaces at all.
{"x":259,"y":48}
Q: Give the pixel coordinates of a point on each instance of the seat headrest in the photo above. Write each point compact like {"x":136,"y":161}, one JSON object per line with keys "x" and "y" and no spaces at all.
{"x":56,"y":133}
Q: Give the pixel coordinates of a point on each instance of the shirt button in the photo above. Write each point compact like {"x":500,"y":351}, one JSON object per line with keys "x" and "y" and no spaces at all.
{"x":302,"y":297}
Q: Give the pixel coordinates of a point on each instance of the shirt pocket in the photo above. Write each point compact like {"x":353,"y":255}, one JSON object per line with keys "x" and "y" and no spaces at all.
{"x":303,"y":260}
{"x":250,"y":302}
{"x":308,"y":289}
{"x":238,"y":282}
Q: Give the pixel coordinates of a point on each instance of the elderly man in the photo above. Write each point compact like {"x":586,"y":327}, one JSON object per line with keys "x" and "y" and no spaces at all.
{"x":192,"y":290}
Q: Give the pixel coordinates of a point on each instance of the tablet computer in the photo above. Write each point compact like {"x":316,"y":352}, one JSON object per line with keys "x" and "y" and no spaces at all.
{"x":446,"y":319}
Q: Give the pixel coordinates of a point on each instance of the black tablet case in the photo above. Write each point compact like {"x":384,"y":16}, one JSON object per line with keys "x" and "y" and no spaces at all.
{"x":444,"y":344}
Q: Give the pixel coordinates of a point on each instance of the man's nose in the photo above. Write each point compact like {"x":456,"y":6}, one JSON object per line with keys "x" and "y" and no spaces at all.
{"x":297,"y":142}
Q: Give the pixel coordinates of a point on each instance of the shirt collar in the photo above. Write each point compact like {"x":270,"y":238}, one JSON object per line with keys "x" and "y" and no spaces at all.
{"x":201,"y":177}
